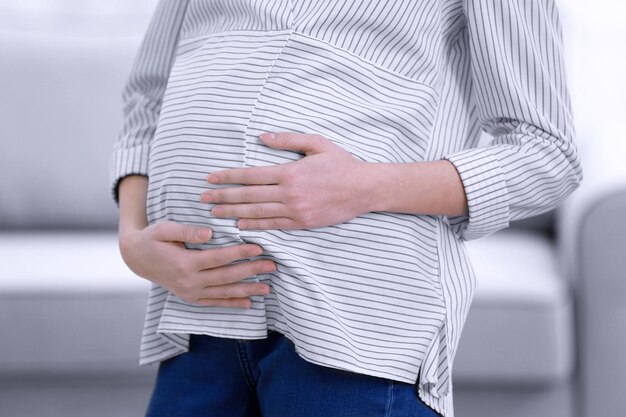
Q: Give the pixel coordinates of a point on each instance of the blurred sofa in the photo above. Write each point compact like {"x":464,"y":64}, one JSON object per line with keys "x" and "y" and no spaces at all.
{"x":546,"y":334}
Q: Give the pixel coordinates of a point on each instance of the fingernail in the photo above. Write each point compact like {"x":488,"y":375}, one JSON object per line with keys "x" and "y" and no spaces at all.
{"x":212,"y":178}
{"x":269,"y":268}
{"x":204,"y":234}
{"x":267,"y":136}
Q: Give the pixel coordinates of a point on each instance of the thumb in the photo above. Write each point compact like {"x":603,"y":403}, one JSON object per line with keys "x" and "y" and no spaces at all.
{"x":299,"y":142}
{"x":176,"y":232}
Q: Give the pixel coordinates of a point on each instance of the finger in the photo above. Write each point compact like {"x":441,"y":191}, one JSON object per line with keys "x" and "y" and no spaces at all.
{"x":299,"y":142}
{"x":248,"y":194}
{"x":238,"y":290}
{"x":231,"y":274}
{"x":230,"y":303}
{"x":247,"y":176}
{"x":268,"y":224}
{"x":169,"y":231}
{"x":249,"y":211}
{"x":216,"y":257}
{"x":235,"y":273}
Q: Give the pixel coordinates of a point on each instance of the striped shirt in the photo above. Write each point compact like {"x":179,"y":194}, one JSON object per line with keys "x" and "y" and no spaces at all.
{"x":385,"y":294}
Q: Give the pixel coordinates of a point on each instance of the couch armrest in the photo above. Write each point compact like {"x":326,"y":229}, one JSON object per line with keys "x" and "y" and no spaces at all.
{"x":591,"y":234}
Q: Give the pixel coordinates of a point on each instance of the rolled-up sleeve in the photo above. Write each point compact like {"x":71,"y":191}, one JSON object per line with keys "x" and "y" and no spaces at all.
{"x":531,"y":165}
{"x":143,"y":93}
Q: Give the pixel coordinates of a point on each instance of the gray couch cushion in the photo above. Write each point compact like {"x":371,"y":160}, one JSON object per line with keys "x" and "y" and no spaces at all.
{"x":68,"y":303}
{"x":520,"y":325}
{"x":77,"y":307}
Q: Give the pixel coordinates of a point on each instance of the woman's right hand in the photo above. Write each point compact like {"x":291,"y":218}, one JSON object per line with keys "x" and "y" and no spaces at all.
{"x":201,"y":277}
{"x":157,"y":252}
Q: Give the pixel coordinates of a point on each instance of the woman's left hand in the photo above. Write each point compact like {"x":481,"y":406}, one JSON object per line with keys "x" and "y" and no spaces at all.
{"x":326,"y":187}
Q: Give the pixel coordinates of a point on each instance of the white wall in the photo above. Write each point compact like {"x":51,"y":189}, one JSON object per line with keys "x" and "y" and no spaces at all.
{"x":595,"y":47}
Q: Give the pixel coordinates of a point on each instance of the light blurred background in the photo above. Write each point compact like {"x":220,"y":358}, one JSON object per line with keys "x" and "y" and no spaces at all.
{"x":546,"y":334}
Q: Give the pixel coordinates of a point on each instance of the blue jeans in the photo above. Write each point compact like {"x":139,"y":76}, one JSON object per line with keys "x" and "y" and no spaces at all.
{"x":252,"y":378}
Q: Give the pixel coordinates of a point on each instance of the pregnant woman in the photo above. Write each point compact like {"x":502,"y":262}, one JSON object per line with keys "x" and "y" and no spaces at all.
{"x":297,"y":179}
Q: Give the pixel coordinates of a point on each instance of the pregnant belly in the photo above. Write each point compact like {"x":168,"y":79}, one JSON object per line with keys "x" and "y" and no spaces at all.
{"x":220,"y":98}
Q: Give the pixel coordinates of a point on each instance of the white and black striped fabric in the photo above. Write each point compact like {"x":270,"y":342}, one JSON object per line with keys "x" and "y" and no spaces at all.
{"x":385,"y":294}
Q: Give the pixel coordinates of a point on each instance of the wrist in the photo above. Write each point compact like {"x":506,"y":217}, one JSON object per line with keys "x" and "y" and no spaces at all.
{"x":126,"y":228}
{"x":127,"y":239}
{"x":375,"y":186}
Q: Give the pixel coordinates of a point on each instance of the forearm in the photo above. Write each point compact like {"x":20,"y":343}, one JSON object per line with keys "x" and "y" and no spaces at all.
{"x":133,"y":191}
{"x":433,"y":188}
